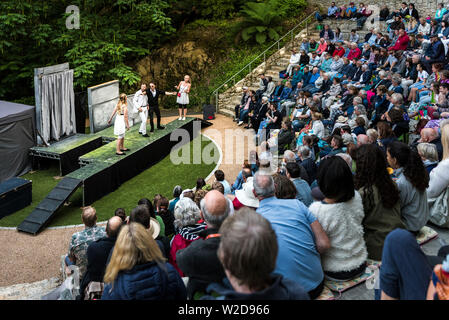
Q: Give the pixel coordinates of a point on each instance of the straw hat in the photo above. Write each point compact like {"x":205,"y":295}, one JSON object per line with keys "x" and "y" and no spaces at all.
{"x":246,"y":195}
{"x":342,"y":119}
{"x":155,"y":228}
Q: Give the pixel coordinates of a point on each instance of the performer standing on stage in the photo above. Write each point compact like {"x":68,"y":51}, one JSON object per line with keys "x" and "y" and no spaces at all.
{"x":121,"y":120}
{"x":153,"y":95}
{"x":140,"y":103}
{"x":183,"y":96}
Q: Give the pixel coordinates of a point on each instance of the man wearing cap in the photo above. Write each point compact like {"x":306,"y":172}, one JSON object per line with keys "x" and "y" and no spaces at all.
{"x":199,"y":261}
{"x":435,"y":52}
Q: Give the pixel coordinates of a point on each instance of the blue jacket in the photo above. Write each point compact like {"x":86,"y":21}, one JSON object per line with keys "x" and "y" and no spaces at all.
{"x":313,"y":78}
{"x":147,"y":282}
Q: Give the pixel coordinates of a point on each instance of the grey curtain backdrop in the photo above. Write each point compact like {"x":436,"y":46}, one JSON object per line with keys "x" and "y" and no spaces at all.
{"x":17,"y":136}
{"x":58,"y":105}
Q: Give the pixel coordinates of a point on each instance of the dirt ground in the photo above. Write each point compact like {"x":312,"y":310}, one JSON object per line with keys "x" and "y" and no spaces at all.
{"x":25,"y":258}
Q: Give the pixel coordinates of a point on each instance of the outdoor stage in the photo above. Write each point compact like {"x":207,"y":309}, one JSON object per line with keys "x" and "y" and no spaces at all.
{"x":90,"y":162}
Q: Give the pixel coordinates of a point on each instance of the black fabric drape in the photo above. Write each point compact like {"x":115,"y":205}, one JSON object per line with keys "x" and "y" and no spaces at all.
{"x":80,"y":111}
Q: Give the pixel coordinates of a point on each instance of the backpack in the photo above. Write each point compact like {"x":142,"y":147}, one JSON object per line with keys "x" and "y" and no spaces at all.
{"x":439,"y":210}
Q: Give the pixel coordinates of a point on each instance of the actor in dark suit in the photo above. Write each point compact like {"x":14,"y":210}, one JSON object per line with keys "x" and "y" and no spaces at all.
{"x":153,"y":95}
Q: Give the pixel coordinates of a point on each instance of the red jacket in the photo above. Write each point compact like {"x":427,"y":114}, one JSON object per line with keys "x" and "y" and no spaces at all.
{"x":401,"y":43}
{"x":354,"y":53}
{"x":339,"y":51}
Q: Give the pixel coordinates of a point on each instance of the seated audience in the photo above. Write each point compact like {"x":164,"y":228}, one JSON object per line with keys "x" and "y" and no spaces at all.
{"x":138,"y":271}
{"x":248,"y":251}
{"x":80,"y":241}
{"x":199,"y":260}
{"x":300,"y":236}
{"x":412,"y":180}
{"x":341,"y":215}
{"x":380,"y":197}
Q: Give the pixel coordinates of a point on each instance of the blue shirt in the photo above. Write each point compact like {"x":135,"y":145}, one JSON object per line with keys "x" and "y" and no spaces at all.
{"x":298,"y":258}
{"x":227,"y":187}
{"x":304,"y":192}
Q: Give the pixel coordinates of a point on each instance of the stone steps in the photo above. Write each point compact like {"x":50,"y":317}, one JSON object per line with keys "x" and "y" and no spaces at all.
{"x":279,"y":61}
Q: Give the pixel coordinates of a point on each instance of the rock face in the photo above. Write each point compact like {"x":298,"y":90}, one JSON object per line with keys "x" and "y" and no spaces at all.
{"x":168,"y":65}
{"x":29,"y":291}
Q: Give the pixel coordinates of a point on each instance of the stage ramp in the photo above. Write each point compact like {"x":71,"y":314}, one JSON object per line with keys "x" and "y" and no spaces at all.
{"x":48,"y":207}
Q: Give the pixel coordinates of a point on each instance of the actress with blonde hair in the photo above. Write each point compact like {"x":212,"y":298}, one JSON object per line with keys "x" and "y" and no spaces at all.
{"x":138,"y":271}
{"x":183,"y":96}
{"x":121,"y":121}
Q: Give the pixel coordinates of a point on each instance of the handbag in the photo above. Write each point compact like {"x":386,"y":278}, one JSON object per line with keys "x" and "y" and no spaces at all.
{"x":439,"y":210}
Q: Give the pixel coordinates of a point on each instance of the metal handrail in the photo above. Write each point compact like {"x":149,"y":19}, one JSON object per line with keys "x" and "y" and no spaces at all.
{"x":216,"y":91}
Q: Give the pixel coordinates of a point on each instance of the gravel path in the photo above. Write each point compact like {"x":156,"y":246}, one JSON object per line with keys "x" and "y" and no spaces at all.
{"x":25,"y":258}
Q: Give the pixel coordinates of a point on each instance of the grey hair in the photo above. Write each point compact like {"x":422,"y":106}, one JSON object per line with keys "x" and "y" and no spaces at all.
{"x":289,"y":156}
{"x":382,"y":73}
{"x":186,"y":213}
{"x":428,"y":151}
{"x":347,"y":158}
{"x":357,"y":100}
{"x":304,"y":151}
{"x":214,"y":220}
{"x":397,"y":98}
{"x":263,"y":188}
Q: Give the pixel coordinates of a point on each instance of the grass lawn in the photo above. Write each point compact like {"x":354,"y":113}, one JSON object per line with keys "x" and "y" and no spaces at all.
{"x":160,"y":178}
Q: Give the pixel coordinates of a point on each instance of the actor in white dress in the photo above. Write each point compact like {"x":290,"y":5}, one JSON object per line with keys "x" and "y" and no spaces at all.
{"x":140,"y":103}
{"x":183,"y":97}
{"x":121,"y":123}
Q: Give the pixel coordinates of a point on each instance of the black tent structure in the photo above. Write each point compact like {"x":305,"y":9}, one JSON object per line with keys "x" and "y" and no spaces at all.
{"x":17,"y":136}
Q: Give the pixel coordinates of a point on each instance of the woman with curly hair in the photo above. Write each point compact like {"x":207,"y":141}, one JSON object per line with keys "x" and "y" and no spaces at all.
{"x":412,"y":180}
{"x":380,"y":196}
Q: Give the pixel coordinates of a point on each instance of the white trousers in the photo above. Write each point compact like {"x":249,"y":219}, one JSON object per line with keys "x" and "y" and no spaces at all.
{"x":143,"y":116}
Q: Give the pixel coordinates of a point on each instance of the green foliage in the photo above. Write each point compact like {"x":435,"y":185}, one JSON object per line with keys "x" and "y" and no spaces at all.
{"x":261,"y":20}
{"x":112,"y":35}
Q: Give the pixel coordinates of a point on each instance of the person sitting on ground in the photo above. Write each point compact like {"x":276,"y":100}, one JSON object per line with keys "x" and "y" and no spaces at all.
{"x":431,"y":136}
{"x":429,"y":155}
{"x":80,"y":241}
{"x":242,"y":176}
{"x":439,"y":177}
{"x":177,"y":191}
{"x":327,"y":33}
{"x":245,"y":196}
{"x":141,"y":214}
{"x":199,"y":260}
{"x":340,"y":214}
{"x":152,"y":212}
{"x":187,"y":215}
{"x":402,"y":42}
{"x":298,"y":258}
{"x":248,"y":252}
{"x":406,"y":271}
{"x":307,"y":162}
{"x":138,"y":271}
{"x":97,"y":258}
{"x":380,"y":197}
{"x":218,"y":186}
{"x":412,"y":180}
{"x":220,"y":177}
{"x":120,"y":212}
{"x":302,"y":187}
{"x":166,"y":215}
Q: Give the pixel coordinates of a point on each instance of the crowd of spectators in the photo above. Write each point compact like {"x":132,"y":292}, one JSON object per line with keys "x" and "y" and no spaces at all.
{"x":353,"y":162}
